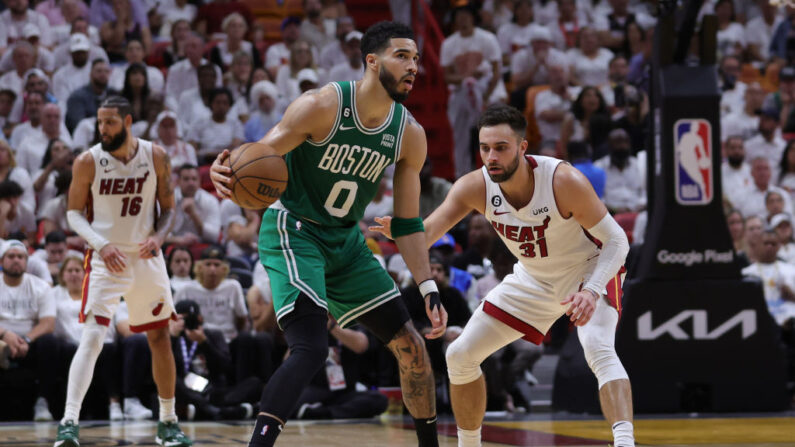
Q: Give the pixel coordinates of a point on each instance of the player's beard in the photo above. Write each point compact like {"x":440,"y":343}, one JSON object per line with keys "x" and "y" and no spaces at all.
{"x":115,"y":142}
{"x":390,"y":85}
{"x":507,"y":172}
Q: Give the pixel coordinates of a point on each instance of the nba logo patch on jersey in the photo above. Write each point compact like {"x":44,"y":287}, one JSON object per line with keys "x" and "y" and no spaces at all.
{"x":693,"y":178}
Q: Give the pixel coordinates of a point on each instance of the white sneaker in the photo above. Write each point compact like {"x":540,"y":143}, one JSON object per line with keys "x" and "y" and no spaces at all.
{"x":41,"y":412}
{"x":134,"y":410}
{"x":249,"y":410}
{"x":191,"y":412}
{"x":115,"y":412}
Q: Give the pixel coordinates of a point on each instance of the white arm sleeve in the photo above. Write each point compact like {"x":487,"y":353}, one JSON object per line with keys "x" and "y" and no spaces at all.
{"x":614,"y":252}
{"x":80,"y":224}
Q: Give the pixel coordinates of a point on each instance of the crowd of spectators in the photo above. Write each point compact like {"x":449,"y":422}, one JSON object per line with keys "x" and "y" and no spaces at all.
{"x":201,"y":77}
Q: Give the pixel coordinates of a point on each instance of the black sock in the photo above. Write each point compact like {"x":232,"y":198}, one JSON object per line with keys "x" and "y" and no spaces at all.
{"x":265,"y":431}
{"x":426,"y":432}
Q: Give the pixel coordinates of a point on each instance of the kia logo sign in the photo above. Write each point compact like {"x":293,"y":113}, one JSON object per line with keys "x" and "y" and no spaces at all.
{"x":746,"y":319}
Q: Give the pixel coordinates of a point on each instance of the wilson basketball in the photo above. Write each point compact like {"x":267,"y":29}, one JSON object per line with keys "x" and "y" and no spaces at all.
{"x":259,"y":176}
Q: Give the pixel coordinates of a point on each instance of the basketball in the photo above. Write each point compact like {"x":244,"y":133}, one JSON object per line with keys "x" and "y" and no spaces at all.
{"x":259,"y":176}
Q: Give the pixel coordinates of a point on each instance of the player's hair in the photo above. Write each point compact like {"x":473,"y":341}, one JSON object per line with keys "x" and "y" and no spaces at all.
{"x":185,"y":167}
{"x":55,"y":237}
{"x":10,"y":189}
{"x":65,"y":263}
{"x":378,"y":36}
{"x":119,"y":103}
{"x":221,"y":91}
{"x":498,"y":114}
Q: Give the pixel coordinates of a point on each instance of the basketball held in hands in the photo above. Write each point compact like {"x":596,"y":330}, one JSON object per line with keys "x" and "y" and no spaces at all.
{"x":259,"y":176}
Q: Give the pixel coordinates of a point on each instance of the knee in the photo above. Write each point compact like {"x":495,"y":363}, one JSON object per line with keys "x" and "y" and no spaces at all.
{"x":314,"y":352}
{"x":461,"y":367}
{"x":158,"y":338}
{"x":602,"y":359}
{"x":409,"y":350}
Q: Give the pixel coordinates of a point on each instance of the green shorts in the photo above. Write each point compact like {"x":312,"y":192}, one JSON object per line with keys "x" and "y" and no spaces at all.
{"x":331,"y":266}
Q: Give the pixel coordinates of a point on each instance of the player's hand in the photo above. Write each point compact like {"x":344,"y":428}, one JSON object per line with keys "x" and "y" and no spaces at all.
{"x":114,"y":259}
{"x":385,"y":226}
{"x":150,"y":247}
{"x":583,"y":303}
{"x":221,"y":174}
{"x":437,"y":315}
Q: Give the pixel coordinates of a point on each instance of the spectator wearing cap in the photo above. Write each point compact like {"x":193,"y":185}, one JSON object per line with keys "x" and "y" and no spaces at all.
{"x":777,"y":277}
{"x":760,"y":29}
{"x":225,"y":308}
{"x":27,"y":321}
{"x":198,"y":214}
{"x":266,"y":111}
{"x":168,"y":133}
{"x":753,"y":203}
{"x":14,"y":216}
{"x":79,"y":25}
{"x":17,"y":16}
{"x":334,"y":53}
{"x":183,"y":75}
{"x":278,"y":54}
{"x":768,"y":142}
{"x":580,"y":157}
{"x":301,"y":57}
{"x":745,"y":122}
{"x":134,"y":54}
{"x":172,"y":11}
{"x":85,"y":101}
{"x":202,"y":351}
{"x":735,"y":171}
{"x":308,"y":79}
{"x":352,"y":68}
{"x":211,"y":135}
{"x":530,"y":65}
{"x":782,"y":224}
{"x":314,"y":28}
{"x":625,"y":189}
{"x":23,"y":58}
{"x":471,"y":61}
{"x":42,"y":56}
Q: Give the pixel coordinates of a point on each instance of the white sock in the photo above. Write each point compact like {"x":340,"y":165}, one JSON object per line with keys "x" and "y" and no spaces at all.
{"x":623,"y":434}
{"x":167,"y":413}
{"x":468,"y":438}
{"x":81,"y":371}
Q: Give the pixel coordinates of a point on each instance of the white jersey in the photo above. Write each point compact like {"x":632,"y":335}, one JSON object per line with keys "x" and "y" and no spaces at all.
{"x":122,"y":207}
{"x":548,"y":246}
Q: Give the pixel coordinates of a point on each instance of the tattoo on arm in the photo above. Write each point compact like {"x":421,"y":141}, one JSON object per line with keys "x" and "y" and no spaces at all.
{"x":164,"y":222}
{"x":164,"y":181}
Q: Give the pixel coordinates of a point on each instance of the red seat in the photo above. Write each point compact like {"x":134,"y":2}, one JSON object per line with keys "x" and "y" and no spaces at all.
{"x":204,"y":178}
{"x":388,"y":248}
{"x":627,"y":222}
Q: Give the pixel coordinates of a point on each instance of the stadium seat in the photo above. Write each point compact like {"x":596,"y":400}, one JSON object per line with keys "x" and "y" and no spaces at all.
{"x":239,"y":262}
{"x":243,"y":276}
{"x":204,"y":178}
{"x":627,"y":222}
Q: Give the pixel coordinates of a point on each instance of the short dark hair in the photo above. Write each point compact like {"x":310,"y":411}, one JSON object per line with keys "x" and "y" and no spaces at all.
{"x":55,"y":237}
{"x":498,"y":114}
{"x":206,"y":67}
{"x":119,"y":103}
{"x":221,"y":91}
{"x":96,"y":61}
{"x":377,"y":37}
{"x":10,"y":189}
{"x":185,"y":167}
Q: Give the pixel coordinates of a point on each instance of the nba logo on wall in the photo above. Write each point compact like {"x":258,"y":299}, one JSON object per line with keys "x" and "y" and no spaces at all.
{"x":693,"y":177}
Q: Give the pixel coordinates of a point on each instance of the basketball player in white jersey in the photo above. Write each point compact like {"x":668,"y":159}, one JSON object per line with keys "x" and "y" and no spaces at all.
{"x":116,"y":188}
{"x":540,"y":207}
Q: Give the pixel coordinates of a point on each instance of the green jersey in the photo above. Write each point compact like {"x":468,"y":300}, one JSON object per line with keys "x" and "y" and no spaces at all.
{"x":332,"y":181}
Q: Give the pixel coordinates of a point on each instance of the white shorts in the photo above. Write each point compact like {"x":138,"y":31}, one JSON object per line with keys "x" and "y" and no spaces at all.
{"x":531,"y":306}
{"x":144,"y":285}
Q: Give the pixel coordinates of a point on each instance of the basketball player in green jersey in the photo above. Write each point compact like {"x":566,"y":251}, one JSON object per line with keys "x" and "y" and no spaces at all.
{"x":338,"y":140}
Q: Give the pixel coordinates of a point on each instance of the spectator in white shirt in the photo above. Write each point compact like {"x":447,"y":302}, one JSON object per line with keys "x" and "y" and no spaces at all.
{"x":530,"y":65}
{"x":173,"y":10}
{"x":782,"y":225}
{"x":287,"y":78}
{"x":471,"y":60}
{"x":57,"y":158}
{"x":32,"y":149}
{"x":758,"y":31}
{"x":735,"y":172}
{"x":235,"y":27}
{"x":589,"y":63}
{"x":17,"y":16}
{"x":768,"y":143}
{"x":519,"y":27}
{"x":27,"y":321}
{"x":168,"y":136}
{"x":211,"y":135}
{"x":731,"y":35}
{"x":43,"y":57}
{"x":625,"y":190}
{"x":182,"y":76}
{"x":754,"y":201}
{"x":239,"y":230}
{"x":194,"y":103}
{"x":351,"y":67}
{"x":10,"y":171}
{"x":14,"y":216}
{"x":52,"y":214}
{"x":278,"y":54}
{"x":134,"y":54}
{"x":198,"y":214}
{"x":77,"y":73}
{"x":62,"y":52}
{"x":745,"y":122}
{"x":732,"y":88}
{"x":314,"y":28}
{"x":786,"y":171}
{"x":24,"y":59}
{"x":33,"y":105}
{"x":777,"y":277}
{"x":333,"y":53}
{"x":180,"y":267}
{"x":552,"y":105}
